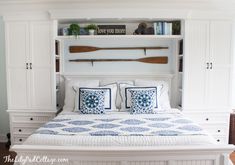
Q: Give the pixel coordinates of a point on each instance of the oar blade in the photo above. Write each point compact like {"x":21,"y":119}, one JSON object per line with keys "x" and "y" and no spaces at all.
{"x":81,"y":49}
{"x":154,"y":60}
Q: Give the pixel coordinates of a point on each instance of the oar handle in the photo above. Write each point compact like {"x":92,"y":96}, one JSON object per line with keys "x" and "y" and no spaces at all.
{"x":82,"y":49}
{"x":152,"y":60}
{"x":132,"y":48}
{"x":102,"y":60}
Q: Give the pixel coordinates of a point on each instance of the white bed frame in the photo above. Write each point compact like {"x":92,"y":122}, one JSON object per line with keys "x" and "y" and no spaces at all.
{"x":158,"y":155}
{"x":154,"y":155}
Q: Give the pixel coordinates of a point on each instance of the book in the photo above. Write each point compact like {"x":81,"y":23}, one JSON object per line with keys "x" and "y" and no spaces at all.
{"x":159,"y":28}
{"x":155,"y":28}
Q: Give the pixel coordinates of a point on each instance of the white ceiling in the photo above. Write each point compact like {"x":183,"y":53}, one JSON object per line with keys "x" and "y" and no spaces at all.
{"x":218,"y":5}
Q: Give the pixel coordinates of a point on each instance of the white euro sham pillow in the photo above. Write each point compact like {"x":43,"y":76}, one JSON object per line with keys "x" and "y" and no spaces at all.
{"x":118,"y":95}
{"x":163,"y":97}
{"x":69,"y":101}
{"x":113,"y":96}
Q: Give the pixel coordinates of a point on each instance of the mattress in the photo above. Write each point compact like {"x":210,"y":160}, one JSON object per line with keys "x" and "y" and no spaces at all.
{"x":120,"y":129}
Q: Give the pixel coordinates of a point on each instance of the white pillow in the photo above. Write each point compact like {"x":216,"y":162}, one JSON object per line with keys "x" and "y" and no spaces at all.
{"x":119,"y":99}
{"x":113,"y":96}
{"x":70,"y":93}
{"x":164,"y":102}
{"x":126,"y":95}
{"x":118,"y":95}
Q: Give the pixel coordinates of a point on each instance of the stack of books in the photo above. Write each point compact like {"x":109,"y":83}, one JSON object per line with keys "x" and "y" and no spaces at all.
{"x":162,"y":28}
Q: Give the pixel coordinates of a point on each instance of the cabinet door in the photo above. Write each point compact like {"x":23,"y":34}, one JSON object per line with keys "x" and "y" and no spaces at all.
{"x":17,"y":45}
{"x":220,"y":56}
{"x":42,"y":65}
{"x":196,"y":55}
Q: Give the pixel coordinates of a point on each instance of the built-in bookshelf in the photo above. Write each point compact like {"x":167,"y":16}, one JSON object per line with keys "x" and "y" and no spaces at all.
{"x":123,"y":28}
{"x":57,"y":72}
{"x":180,"y":72}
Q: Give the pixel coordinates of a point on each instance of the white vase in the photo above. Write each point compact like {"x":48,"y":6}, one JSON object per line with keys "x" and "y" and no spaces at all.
{"x":91,"y":32}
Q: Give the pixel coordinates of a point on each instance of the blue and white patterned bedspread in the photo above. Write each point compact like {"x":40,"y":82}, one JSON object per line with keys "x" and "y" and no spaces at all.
{"x":121,"y":124}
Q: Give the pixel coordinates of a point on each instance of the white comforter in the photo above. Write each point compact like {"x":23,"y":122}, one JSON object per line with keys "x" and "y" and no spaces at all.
{"x":121,"y":129}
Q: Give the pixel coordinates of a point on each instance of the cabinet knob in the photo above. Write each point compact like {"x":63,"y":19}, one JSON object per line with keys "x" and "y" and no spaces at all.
{"x":218,"y":140}
{"x":20,"y":140}
{"x":218,"y":130}
{"x":207,"y":65}
{"x":31,"y":118}
{"x":20,"y":130}
{"x":207,"y":119}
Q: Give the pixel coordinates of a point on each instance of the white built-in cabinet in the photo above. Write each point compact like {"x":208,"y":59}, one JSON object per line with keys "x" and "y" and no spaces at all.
{"x":30,"y":76}
{"x":207,"y":64}
{"x":207,"y":75}
{"x":205,"y":87}
{"x":29,"y":65}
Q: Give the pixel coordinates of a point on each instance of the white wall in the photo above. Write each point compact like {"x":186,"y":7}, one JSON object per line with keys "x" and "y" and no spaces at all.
{"x":119,"y":67}
{"x":4,"y":122}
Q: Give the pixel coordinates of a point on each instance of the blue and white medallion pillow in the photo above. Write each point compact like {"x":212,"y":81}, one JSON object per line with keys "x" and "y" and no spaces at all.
{"x":142,"y":100}
{"x":92,"y":101}
{"x":126,"y":95}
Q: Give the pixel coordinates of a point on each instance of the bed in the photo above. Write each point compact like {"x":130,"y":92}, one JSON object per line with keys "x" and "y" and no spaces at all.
{"x":165,"y":137}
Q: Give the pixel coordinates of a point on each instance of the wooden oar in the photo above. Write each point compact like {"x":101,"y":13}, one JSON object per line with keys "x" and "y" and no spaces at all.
{"x":152,"y":60}
{"x":81,"y":49}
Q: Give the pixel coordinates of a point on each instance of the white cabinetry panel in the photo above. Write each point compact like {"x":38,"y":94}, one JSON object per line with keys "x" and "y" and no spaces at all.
{"x":196,"y":50}
{"x":17,"y":44}
{"x":42,"y":70}
{"x":41,"y":43}
{"x":17,"y":54}
{"x":30,"y":65}
{"x":18,"y":91}
{"x":42,"y":97}
{"x":207,"y":65}
{"x":220,"y":59}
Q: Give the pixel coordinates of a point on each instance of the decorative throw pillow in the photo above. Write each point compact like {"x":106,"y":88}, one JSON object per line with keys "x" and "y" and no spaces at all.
{"x":92,"y":101}
{"x":142,"y":100}
{"x":163,"y":93}
{"x":126,"y":95}
{"x":108,"y":101}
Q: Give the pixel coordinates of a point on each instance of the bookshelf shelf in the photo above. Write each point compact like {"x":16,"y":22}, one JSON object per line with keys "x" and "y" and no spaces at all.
{"x":177,"y":37}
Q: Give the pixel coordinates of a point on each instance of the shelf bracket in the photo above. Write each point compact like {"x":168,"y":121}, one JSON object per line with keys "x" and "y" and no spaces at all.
{"x":145,"y":51}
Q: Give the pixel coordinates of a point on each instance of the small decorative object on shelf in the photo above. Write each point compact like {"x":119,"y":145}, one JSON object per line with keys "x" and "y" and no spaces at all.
{"x":74,"y":29}
{"x":91,"y":29}
{"x":144,"y":30}
{"x":176,"y":28}
{"x":83,"y":31}
{"x":111,"y":30}
{"x":64,"y":31}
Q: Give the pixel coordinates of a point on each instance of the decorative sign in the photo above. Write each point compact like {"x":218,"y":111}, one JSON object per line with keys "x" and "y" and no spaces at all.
{"x":111,"y":30}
